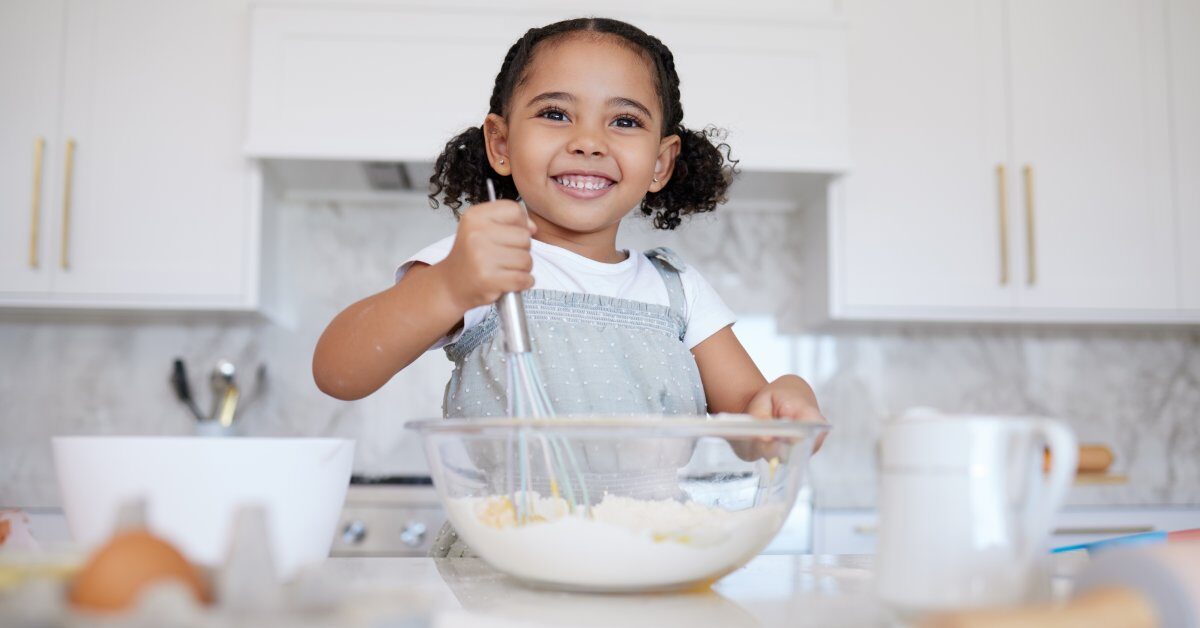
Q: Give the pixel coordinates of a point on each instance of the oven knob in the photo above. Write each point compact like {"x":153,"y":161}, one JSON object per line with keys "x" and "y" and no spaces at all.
{"x":354,"y":532}
{"x":413,"y":534}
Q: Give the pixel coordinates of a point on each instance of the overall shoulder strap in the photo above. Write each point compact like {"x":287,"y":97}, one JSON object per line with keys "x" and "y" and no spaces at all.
{"x":668,"y":264}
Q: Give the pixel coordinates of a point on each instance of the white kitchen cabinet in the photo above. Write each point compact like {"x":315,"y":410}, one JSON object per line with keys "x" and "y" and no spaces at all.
{"x":1185,"y":65}
{"x":918,"y":224}
{"x":385,"y":82}
{"x":1012,"y":163}
{"x":1090,"y":128}
{"x":30,"y":59}
{"x":148,"y":201}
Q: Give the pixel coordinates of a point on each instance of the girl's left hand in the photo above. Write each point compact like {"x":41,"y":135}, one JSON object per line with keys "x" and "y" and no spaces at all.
{"x":788,"y":397}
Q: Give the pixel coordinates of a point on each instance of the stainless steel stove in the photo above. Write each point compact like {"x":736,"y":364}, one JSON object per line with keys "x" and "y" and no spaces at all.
{"x":388,"y":516}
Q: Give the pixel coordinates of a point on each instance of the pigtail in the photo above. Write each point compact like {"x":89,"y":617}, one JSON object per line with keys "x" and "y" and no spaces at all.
{"x":461,"y":171}
{"x":704,"y":170}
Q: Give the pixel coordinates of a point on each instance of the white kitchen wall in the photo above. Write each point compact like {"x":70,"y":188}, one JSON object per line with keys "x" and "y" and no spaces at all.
{"x":1136,"y":389}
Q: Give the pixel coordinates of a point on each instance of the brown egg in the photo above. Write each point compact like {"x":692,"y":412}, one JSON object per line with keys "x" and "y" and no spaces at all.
{"x":119,"y":571}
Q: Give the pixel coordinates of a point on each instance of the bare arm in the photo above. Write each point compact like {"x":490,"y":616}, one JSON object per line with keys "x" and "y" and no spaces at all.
{"x":732,"y":383}
{"x":373,"y":339}
{"x":729,"y":375}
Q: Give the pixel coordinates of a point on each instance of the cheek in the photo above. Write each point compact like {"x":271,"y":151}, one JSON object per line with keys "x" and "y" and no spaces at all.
{"x":637,"y":162}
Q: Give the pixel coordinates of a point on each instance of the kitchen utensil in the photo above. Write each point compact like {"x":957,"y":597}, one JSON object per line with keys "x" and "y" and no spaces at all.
{"x":192,"y":487}
{"x":675,"y":504}
{"x":527,"y":399}
{"x":1144,"y":538}
{"x":965,"y":509}
{"x":220,"y":380}
{"x":258,"y":391}
{"x":1093,"y":459}
{"x":183,"y":390}
{"x":228,"y":406}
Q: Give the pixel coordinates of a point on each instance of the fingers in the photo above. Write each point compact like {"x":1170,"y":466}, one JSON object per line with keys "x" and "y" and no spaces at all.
{"x":499,"y":212}
{"x":514,"y":281}
{"x":762,"y":405}
{"x":513,"y":259}
{"x":516,"y":237}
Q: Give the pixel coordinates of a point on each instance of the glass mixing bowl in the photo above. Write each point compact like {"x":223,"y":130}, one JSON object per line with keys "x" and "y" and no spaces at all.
{"x":618,"y":504}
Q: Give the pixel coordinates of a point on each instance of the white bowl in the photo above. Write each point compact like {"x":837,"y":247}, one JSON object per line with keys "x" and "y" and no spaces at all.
{"x":193,"y":486}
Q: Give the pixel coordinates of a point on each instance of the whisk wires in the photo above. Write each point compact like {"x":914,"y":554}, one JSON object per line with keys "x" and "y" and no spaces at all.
{"x":527,"y":398}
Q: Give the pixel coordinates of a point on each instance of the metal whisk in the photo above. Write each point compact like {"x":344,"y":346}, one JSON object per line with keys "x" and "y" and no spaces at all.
{"x":527,"y":398}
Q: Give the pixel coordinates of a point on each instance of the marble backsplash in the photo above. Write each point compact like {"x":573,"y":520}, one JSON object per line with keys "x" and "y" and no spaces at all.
{"x":1134,"y":389}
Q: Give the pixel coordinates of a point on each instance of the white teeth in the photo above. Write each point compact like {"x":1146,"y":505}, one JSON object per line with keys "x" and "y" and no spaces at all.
{"x":584,"y":182}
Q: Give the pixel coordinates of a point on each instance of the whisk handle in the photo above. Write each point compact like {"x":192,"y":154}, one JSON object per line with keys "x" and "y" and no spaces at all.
{"x":512,"y":321}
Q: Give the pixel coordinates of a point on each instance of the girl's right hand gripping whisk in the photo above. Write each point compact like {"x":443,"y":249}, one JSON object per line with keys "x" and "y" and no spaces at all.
{"x":527,"y":399}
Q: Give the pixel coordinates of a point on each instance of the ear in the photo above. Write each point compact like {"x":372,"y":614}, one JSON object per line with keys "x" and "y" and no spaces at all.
{"x":664,"y":165}
{"x":495,"y":139}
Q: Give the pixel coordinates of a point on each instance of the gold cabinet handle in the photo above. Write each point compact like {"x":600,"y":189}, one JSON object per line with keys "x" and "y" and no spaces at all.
{"x":1002,"y":192}
{"x":1030,"y":229}
{"x":35,"y":213}
{"x":66,"y":205}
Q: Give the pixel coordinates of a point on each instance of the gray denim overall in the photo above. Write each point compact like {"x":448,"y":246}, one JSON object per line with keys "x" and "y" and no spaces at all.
{"x":597,"y":355}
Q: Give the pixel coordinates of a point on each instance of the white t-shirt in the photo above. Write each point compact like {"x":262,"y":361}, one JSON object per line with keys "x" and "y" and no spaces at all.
{"x":635,"y":279}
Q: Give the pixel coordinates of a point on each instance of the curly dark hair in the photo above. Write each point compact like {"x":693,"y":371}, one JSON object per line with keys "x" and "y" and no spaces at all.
{"x":704,"y":168}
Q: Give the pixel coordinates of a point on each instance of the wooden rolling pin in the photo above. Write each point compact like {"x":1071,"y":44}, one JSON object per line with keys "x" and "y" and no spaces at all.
{"x":1114,"y":607}
{"x":1092,"y":459}
{"x":1137,"y":587}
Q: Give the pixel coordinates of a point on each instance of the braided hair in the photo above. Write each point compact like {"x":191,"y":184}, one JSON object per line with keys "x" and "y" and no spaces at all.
{"x":703,"y":170}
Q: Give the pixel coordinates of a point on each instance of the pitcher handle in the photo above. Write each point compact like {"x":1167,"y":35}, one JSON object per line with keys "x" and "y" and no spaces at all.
{"x":1064,"y":458}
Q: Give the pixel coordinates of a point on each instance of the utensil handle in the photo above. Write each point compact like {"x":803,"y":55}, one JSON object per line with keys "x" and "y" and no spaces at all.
{"x":512,"y":320}
{"x":1064,"y":453}
{"x":511,"y":308}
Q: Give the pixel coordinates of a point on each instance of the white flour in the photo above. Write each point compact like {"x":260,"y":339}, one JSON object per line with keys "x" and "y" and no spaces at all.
{"x":628,"y":544}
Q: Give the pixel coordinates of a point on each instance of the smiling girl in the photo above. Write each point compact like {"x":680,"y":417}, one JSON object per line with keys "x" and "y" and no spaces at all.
{"x":584,"y":126}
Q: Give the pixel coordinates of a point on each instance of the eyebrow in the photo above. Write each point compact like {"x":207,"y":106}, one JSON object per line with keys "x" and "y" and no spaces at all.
{"x":617,"y":101}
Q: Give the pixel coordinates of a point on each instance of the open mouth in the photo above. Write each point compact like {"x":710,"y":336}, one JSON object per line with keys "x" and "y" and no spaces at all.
{"x":583,"y":185}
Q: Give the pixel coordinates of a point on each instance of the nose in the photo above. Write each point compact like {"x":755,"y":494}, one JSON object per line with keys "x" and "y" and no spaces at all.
{"x":587,"y":142}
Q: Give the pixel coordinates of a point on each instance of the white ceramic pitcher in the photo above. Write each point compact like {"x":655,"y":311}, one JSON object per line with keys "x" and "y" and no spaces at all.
{"x":965,"y":509}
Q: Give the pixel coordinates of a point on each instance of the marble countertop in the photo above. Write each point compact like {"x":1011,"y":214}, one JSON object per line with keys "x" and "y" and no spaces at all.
{"x":772,"y":590}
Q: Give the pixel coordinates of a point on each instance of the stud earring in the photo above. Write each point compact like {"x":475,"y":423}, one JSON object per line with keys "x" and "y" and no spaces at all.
{"x":656,"y":179}
{"x":501,"y":162}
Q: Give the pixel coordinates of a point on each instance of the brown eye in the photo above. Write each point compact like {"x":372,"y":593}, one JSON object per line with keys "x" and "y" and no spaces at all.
{"x":557,"y":115}
{"x":628,"y":122}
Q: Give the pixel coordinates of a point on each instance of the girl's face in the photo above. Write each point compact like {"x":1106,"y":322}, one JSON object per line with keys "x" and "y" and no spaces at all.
{"x":583,"y":136}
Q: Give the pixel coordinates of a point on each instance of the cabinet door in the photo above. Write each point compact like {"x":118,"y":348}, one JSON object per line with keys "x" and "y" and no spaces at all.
{"x":1185,"y":66}
{"x":161,"y":209}
{"x":30,"y":63}
{"x":918,"y":230}
{"x":330,"y":81}
{"x":1090,"y":121}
